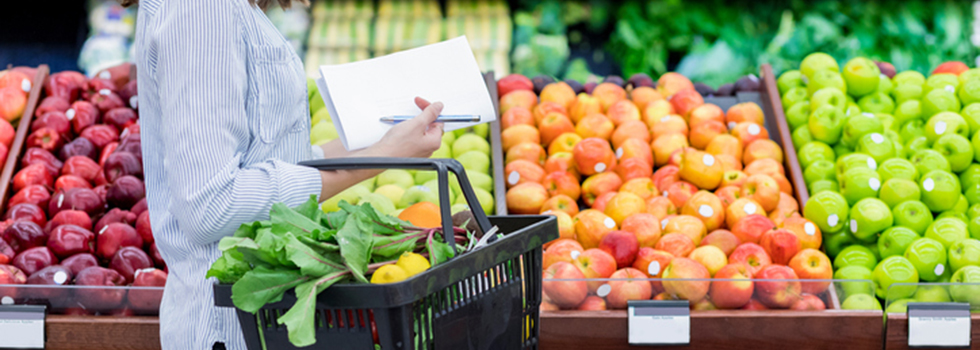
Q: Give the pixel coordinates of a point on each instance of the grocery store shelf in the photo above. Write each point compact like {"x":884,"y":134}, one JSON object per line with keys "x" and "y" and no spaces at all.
{"x":102,"y":332}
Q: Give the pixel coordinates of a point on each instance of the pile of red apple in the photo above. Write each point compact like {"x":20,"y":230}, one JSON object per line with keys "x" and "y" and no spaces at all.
{"x":671,"y":187}
{"x":78,"y":215}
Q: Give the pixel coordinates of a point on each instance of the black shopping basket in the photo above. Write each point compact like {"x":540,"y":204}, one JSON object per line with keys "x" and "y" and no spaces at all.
{"x":484,"y":299}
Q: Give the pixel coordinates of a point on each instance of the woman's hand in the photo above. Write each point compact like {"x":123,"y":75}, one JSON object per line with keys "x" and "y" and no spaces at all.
{"x":415,"y":138}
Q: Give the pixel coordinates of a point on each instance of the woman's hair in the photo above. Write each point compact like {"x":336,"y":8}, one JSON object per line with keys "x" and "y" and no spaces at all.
{"x":263,"y":4}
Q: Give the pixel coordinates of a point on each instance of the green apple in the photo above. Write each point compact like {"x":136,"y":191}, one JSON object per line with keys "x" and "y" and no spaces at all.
{"x":888,"y":122}
{"x":885,"y":84}
{"x":453,"y":188}
{"x":852,"y":161}
{"x":895,"y":191}
{"x":877,"y":146}
{"x":862,"y":76}
{"x":928,"y":160}
{"x":900,"y":306}
{"x":826,"y":124}
{"x":929,"y":258}
{"x":947,"y":231}
{"x":940,"y":190}
{"x":351,"y":195}
{"x":969,"y":92}
{"x":794,"y":96}
{"x":906,"y":92}
{"x":818,"y":61}
{"x":819,"y":170}
{"x":873,"y":247}
{"x":380,"y":202}
{"x":913,"y":214}
{"x":916,"y":144}
{"x":971,"y":113}
{"x":971,"y":74}
{"x":391,"y":191}
{"x":422,"y":177}
{"x":478,"y":161}
{"x":445,"y":151}
{"x":868,"y":217}
{"x":962,"y":205}
{"x":860,"y":302}
{"x":825,"y":79}
{"x":841,"y":150}
{"x":316,"y":101}
{"x":459,"y":207}
{"x":957,"y":150}
{"x":931,"y":293}
{"x":964,"y":253}
{"x":909,"y":77}
{"x":908,"y":110}
{"x":470,"y":142}
{"x":788,"y":80}
{"x":321,"y":116}
{"x":859,"y":280}
{"x":801,"y":136}
{"x":322,"y":133}
{"x":369,"y":184}
{"x":945,"y":81}
{"x":897,"y":168}
{"x":798,"y":114}
{"x":971,"y":175}
{"x":974,"y":211}
{"x":972,"y":192}
{"x":859,"y":183}
{"x":823,"y":185}
{"x":946,"y":123}
{"x":895,"y":240}
{"x":969,"y":289}
{"x":852,"y":109}
{"x":419,"y":193}
{"x":912,"y":129}
{"x":859,"y":125}
{"x":828,"y":210}
{"x":835,"y":242}
{"x":939,"y":100}
{"x":480,"y":180}
{"x":892,"y":270}
{"x":485,"y":198}
{"x":828,"y":97}
{"x":813,"y":152}
{"x":976,"y":146}
{"x":955,"y":215}
{"x":877,"y":102}
{"x":855,"y":255}
{"x":449,"y":137}
{"x":399,"y":177}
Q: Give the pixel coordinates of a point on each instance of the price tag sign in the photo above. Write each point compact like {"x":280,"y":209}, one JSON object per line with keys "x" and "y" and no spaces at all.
{"x":659,"y":322}
{"x":939,"y":325}
{"x":22,"y":326}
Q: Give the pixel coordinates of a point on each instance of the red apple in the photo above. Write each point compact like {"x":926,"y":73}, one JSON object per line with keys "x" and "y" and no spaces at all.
{"x":750,"y":228}
{"x":34,"y":194}
{"x":125,"y":192}
{"x":628,"y":284}
{"x":120,"y":164}
{"x":653,"y":262}
{"x":46,"y":138}
{"x":53,"y":120}
{"x":101,"y":135}
{"x":595,"y":263}
{"x":80,"y":146}
{"x":564,"y":294}
{"x":54,"y":275}
{"x":82,"y":115}
{"x":100,"y":299}
{"x":65,"y":182}
{"x":128,"y":260}
{"x":23,"y":235}
{"x":34,"y":174}
{"x":592,"y":303}
{"x":52,"y":104}
{"x":120,"y":118}
{"x":10,"y":275}
{"x":812,"y":264}
{"x":78,"y":262}
{"x":684,"y":268}
{"x":35,"y":155}
{"x":83,"y":167}
{"x":781,"y":244}
{"x":76,"y":199}
{"x":622,"y":245}
{"x":732,"y":294}
{"x":723,"y":239}
{"x":782,"y":288}
{"x":73,"y":217}
{"x":114,"y":236}
{"x":26,"y":211}
{"x":755,"y":305}
{"x":752,"y":255}
{"x":68,"y":240}
{"x":34,"y":259}
{"x":143,"y":227}
{"x":809,"y":302}
{"x":147,"y":300}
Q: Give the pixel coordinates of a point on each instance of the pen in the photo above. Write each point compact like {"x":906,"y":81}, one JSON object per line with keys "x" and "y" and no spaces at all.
{"x":441,"y":119}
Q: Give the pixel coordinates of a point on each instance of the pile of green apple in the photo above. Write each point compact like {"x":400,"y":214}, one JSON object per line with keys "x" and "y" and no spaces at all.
{"x":396,"y":189}
{"x":893,"y":175}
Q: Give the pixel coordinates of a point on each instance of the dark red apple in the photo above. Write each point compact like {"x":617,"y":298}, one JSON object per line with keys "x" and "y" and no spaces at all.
{"x":96,"y":86}
{"x":128,"y":93}
{"x":106,"y":151}
{"x":128,"y":260}
{"x":45,"y":138}
{"x":80,"y":146}
{"x":70,"y":181}
{"x":83,"y":167}
{"x":24,"y":235}
{"x":34,"y":259}
{"x":143,"y":227}
{"x":82,"y":115}
{"x":120,"y":117}
{"x":139,"y":207}
{"x":100,"y":299}
{"x":147,"y":300}
{"x":130,"y":142}
{"x":120,"y":164}
{"x":114,"y":236}
{"x":34,"y":174}
{"x":52,"y":104}
{"x":133,"y":128}
{"x":115,"y":215}
{"x":125,"y":192}
{"x":106,"y":100}
{"x":53,"y":120}
{"x":35,"y":155}
{"x":71,"y":217}
{"x":6,"y":252}
{"x":10,"y":275}
{"x":54,"y":276}
{"x":77,"y":199}
{"x":101,"y":189}
{"x":157,"y":258}
{"x":68,"y":240}
{"x":64,"y":85}
{"x":34,"y":194}
{"x":101,"y":134}
{"x":78,"y":262}
{"x":26,"y":211}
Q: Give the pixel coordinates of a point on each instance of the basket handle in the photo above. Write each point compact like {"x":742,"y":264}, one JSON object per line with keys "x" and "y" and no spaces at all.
{"x":441,"y":165}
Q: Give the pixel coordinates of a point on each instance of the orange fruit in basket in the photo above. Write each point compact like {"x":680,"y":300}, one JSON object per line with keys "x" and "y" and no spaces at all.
{"x":422,"y":214}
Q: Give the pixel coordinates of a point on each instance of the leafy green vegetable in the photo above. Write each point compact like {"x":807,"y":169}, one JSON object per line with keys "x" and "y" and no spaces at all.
{"x":355,"y":247}
{"x":262,"y":286}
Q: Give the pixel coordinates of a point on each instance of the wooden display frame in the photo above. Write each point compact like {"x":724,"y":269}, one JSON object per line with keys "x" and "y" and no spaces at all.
{"x":23,"y":128}
{"x":897,"y":331}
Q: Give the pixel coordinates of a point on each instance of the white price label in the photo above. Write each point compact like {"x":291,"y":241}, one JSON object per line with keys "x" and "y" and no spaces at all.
{"x":22,"y":326}
{"x":939,"y":325}
{"x":659,"y":322}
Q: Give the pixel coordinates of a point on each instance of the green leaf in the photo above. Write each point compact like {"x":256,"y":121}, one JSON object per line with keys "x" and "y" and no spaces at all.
{"x":355,"y":247}
{"x":387,"y":247}
{"x":262,"y":286}
{"x":299,"y":320}
{"x":334,"y":220}
{"x":285,"y":219}
{"x":271,"y":248}
{"x":310,"y":209}
{"x":247,"y":229}
{"x":229,"y":268}
{"x":323,"y":247}
{"x":310,"y":262}
{"x":439,"y":251}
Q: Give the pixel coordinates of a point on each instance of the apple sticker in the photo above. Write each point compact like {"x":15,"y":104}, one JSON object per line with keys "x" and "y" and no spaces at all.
{"x":663,"y":224}
{"x":600,"y":167}
{"x":854,"y":226}
{"x":603,"y":290}
{"x":754,"y":129}
{"x":6,"y":300}
{"x":654,"y":268}
{"x":25,"y":85}
{"x":874,"y":183}
{"x":872,"y":164}
{"x":133,"y":102}
{"x":546,"y":212}
{"x":731,"y":125}
{"x":939,"y":269}
{"x":665,"y":118}
{"x":575,"y":254}
{"x":70,"y":113}
{"x":706,"y":211}
{"x":513,"y":178}
{"x":708,"y":160}
{"x":60,"y":277}
{"x":619,"y":153}
{"x":809,"y":229}
{"x":105,"y":92}
{"x":609,"y":222}
{"x":877,"y":138}
{"x":665,"y":193}
{"x":928,"y":185}
{"x":832,"y":220}
{"x":940,"y":127}
{"x":951,"y":89}
{"x":750,"y":208}
{"x":869,"y":115}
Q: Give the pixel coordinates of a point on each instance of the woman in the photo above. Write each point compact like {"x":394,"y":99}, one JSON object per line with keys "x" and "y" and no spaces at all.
{"x":225,"y":119}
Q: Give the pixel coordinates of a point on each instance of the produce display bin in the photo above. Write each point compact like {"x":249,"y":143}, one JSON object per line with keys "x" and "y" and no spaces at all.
{"x":487,"y":298}
{"x":897,"y":321}
{"x":496,"y":152}
{"x":23,"y":128}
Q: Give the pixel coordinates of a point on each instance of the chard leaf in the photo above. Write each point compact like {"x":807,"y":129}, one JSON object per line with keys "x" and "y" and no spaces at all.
{"x":439,"y":251}
{"x":310,"y":209}
{"x":285,"y":219}
{"x":323,"y":247}
{"x":334,"y":220}
{"x":247,"y":229}
{"x":271,"y":247}
{"x":355,"y":247}
{"x":299,"y":320}
{"x":310,"y":262}
{"x":262,"y":286}
{"x":386,"y":247}
{"x":229,"y":268}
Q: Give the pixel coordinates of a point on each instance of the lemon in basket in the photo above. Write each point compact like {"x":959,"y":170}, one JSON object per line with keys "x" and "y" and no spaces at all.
{"x":413,"y":263}
{"x":388,"y":274}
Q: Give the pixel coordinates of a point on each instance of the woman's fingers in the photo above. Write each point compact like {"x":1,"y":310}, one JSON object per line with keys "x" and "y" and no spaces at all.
{"x":421,"y":102}
{"x":429,"y":115}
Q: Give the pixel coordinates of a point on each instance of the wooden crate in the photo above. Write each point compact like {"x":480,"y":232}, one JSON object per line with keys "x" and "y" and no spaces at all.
{"x":102,"y":332}
{"x":23,"y":128}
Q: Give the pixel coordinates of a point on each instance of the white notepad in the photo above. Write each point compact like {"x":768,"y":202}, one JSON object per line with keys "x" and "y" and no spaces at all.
{"x":357,"y":94}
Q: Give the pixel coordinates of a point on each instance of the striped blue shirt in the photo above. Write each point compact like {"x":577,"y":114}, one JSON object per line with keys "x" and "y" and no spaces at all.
{"x":224,"y":118}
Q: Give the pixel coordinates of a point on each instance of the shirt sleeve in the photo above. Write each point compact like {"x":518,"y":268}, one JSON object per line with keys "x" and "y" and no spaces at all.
{"x":202,"y":78}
